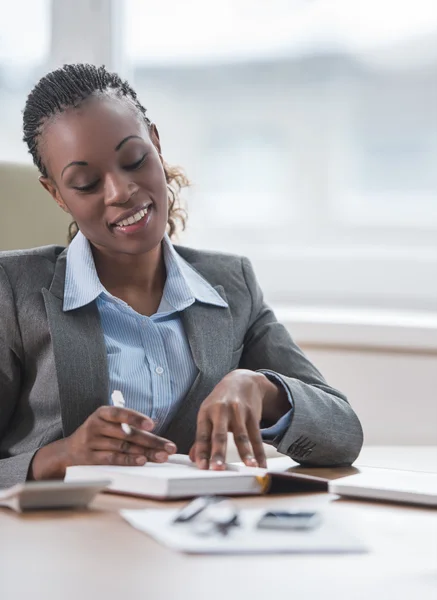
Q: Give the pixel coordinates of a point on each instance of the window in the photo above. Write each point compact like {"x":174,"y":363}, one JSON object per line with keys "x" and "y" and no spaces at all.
{"x":24,"y":52}
{"x":308,"y":129}
{"x":385,"y":175}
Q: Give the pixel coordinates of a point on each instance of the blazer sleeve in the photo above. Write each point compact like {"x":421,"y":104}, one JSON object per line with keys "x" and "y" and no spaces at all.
{"x":323,"y":429}
{"x":13,"y":469}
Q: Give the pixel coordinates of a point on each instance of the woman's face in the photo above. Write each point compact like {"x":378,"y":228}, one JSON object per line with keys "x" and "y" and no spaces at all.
{"x":105,"y":170}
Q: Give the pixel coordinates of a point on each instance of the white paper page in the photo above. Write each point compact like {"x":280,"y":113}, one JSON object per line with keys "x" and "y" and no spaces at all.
{"x":274,"y":465}
{"x":391,"y":480}
{"x":169,"y":471}
{"x":10,"y":497}
{"x":331,"y":536}
{"x":12,"y":491}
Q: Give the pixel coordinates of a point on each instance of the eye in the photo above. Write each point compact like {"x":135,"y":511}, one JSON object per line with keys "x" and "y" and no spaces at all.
{"x":136,"y":165}
{"x":87,"y":188}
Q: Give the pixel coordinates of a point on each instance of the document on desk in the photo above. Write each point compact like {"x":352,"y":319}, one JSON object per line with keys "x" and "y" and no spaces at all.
{"x":332,"y":536}
{"x":389,"y":485}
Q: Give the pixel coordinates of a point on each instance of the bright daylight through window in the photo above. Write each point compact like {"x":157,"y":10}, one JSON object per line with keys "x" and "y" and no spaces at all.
{"x":324,"y":113}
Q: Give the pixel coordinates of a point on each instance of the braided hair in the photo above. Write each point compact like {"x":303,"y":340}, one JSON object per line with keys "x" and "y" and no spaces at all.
{"x":68,"y":87}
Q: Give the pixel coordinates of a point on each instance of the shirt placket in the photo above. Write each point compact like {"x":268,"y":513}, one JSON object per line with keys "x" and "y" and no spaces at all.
{"x":159,"y":374}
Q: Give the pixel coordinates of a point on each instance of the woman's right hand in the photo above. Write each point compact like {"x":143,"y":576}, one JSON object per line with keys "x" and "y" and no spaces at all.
{"x":102,"y":441}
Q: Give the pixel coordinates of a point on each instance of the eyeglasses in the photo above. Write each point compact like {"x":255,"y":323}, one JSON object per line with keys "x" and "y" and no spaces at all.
{"x":209,"y":515}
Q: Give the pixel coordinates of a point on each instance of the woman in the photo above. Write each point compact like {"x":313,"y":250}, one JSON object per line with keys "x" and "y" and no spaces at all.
{"x":184,"y":334}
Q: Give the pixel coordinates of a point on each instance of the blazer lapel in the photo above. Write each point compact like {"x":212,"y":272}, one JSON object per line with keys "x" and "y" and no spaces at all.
{"x":80,"y":354}
{"x":81,"y":363}
{"x":210,"y":334}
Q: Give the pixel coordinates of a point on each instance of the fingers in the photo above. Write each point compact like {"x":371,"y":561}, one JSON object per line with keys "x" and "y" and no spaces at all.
{"x":103,"y":457}
{"x":202,"y":446}
{"x":114,"y":445}
{"x":146,"y":440}
{"x":109,"y":437}
{"x":209,"y":449}
{"x":256,"y":441}
{"x":124,"y":446}
{"x":115,"y":414}
{"x":219,"y":438}
{"x":243,"y":440}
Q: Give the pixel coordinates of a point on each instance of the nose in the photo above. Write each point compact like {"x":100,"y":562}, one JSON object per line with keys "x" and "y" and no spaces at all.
{"x":118,"y":188}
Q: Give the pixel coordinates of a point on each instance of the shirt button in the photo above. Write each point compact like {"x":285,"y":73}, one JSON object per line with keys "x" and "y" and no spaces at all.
{"x":159,"y":370}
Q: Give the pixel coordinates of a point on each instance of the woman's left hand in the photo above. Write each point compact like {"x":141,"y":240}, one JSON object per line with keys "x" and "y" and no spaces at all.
{"x":235,"y":404}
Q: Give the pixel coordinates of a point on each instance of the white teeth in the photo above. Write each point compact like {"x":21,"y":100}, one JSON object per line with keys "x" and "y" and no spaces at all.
{"x":133,"y":219}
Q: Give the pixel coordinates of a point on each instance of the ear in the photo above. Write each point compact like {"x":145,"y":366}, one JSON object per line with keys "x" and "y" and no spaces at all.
{"x":154,"y":136}
{"x":48,"y":185}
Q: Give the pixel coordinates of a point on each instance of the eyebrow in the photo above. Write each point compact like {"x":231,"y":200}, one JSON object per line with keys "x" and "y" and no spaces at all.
{"x":82,"y":163}
{"x":129,"y":137}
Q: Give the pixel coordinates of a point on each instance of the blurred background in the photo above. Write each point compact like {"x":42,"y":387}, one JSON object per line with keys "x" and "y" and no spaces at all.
{"x":308,"y":129}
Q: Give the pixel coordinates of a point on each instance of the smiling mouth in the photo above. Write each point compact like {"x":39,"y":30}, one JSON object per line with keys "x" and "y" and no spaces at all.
{"x":135,"y":218}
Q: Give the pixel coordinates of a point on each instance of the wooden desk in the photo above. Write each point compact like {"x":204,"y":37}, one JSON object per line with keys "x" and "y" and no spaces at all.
{"x":96,"y":555}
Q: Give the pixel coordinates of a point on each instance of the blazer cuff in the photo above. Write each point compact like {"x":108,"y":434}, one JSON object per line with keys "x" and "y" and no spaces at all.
{"x":275,"y":433}
{"x":14,"y":470}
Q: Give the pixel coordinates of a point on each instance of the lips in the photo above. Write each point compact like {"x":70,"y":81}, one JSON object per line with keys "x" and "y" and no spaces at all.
{"x":130,"y":217}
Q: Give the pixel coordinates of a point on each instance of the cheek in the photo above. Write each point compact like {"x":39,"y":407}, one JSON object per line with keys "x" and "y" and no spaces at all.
{"x":154,"y":184}
{"x":152,"y":176}
{"x":88,"y":212}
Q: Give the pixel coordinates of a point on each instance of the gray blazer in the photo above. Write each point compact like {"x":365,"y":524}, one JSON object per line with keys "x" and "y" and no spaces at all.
{"x":54,"y":374}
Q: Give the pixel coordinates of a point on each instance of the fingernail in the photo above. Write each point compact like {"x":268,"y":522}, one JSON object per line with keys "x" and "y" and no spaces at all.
{"x":170,"y":448}
{"x":217,"y":464}
{"x":203,"y":464}
{"x":161,"y":456}
{"x":147,"y":425}
{"x":141,"y":460}
{"x":251,"y":460}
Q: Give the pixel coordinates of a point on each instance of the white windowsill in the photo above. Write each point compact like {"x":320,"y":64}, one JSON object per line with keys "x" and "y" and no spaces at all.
{"x":345,"y":327}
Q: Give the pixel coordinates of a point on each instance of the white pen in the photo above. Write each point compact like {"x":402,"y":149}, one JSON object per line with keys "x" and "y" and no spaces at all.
{"x":118,"y":400}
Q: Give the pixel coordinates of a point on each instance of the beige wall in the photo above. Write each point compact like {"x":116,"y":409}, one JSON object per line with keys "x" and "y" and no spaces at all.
{"x":393,"y":392}
{"x":29,"y":217}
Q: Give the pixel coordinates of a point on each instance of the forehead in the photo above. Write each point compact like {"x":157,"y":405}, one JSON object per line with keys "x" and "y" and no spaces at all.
{"x":91,"y":130}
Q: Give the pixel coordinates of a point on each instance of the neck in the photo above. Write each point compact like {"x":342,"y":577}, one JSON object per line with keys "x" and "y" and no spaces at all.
{"x":121,"y":273}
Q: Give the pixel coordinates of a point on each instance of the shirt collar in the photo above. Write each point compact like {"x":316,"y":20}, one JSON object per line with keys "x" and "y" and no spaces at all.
{"x":183,"y":285}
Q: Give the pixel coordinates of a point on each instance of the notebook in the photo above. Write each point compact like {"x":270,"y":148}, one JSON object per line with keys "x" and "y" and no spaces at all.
{"x":389,"y":484}
{"x":180,"y":478}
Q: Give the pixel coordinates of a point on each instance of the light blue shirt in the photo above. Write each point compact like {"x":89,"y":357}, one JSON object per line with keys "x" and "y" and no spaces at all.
{"x":149,"y":358}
